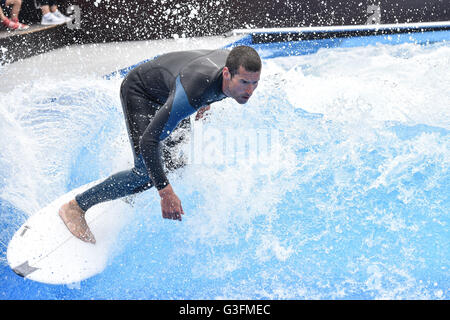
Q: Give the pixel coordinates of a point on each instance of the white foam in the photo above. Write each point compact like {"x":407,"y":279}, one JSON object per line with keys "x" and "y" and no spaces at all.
{"x":351,"y":209}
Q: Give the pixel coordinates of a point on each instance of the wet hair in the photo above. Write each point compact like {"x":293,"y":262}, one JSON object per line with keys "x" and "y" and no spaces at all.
{"x":244,"y":56}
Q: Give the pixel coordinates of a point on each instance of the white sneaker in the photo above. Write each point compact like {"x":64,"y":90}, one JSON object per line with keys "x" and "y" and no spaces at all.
{"x":59,"y":15}
{"x":50,"y":18}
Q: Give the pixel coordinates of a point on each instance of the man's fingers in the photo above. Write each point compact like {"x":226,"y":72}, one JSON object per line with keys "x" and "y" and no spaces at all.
{"x":179,"y":213}
{"x":171,"y":207}
{"x":172,"y":215}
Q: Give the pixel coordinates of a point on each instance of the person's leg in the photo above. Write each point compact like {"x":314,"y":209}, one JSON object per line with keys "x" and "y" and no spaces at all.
{"x":2,"y":15}
{"x":16,"y":5}
{"x":170,"y":146}
{"x":12,"y":23}
{"x":50,"y":14}
{"x":121,"y":184}
{"x":45,"y":8}
{"x":138,"y":112}
{"x":55,"y":11}
{"x":53,"y":5}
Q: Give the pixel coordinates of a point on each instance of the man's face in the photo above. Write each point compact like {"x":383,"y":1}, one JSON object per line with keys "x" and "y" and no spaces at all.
{"x":240,"y":87}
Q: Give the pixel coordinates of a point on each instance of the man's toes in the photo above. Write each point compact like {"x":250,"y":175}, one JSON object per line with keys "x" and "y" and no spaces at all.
{"x":88,"y":236}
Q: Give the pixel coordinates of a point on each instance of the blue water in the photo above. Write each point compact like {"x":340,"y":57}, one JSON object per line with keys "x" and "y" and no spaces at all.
{"x":348,"y":198}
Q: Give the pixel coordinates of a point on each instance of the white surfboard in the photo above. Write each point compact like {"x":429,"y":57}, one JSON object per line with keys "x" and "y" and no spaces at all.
{"x":44,"y":250}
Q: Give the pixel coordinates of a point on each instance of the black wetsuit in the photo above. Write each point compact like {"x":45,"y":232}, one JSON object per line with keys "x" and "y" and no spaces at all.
{"x":156,"y":96}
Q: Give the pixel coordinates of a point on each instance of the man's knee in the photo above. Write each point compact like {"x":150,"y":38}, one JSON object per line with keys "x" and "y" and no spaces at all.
{"x":171,"y":148}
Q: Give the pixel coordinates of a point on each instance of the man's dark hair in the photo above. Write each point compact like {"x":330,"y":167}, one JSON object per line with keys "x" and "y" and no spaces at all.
{"x":244,"y":56}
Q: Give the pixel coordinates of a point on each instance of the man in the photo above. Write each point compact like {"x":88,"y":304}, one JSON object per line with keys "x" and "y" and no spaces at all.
{"x":156,"y":96}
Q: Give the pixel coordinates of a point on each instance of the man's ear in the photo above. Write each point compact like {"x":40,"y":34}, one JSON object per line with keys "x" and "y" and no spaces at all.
{"x":226,"y":73}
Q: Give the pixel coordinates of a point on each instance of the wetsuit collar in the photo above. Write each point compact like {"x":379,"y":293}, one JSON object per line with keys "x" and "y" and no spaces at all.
{"x":220,"y":94}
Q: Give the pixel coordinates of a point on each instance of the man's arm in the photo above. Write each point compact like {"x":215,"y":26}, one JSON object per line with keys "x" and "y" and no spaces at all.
{"x":176,"y":108}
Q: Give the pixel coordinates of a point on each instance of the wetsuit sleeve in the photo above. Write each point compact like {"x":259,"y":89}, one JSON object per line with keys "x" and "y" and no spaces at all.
{"x":176,"y":108}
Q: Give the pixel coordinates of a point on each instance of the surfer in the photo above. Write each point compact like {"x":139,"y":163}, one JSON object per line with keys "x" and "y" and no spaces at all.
{"x":157,"y":99}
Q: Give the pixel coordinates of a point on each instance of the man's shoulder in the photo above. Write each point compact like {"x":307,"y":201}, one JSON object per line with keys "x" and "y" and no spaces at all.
{"x":186,"y":57}
{"x":202,"y":77}
{"x":204,"y":69}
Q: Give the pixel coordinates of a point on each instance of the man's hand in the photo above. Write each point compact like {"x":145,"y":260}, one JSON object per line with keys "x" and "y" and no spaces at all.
{"x":201,"y":111}
{"x":170,"y":204}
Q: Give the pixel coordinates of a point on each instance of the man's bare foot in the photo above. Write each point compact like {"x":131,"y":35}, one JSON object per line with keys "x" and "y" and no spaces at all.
{"x":73,"y":217}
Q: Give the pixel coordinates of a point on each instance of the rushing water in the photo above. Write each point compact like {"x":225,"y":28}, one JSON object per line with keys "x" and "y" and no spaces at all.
{"x":331,"y":183}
